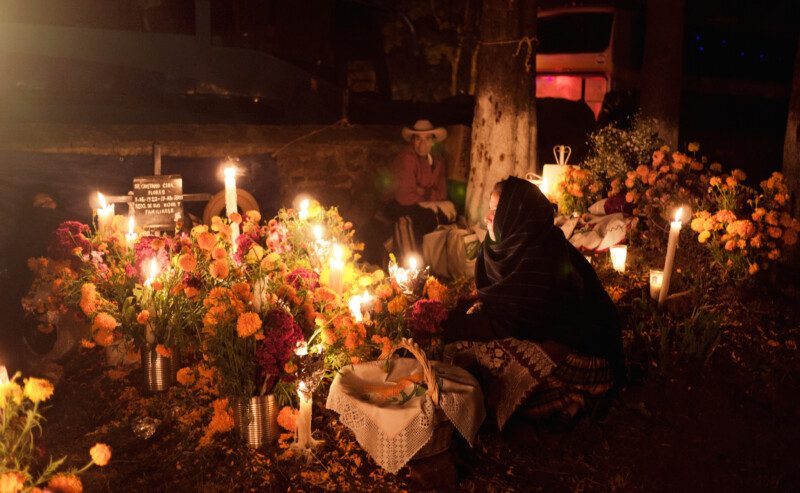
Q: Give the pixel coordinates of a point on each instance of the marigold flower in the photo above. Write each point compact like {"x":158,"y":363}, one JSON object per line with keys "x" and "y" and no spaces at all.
{"x":703,"y":236}
{"x":185,"y":376}
{"x":397,"y":305}
{"x":86,"y":343}
{"x":187,"y":262}
{"x":219,"y":269}
{"x":143,"y":317}
{"x":38,"y":389}
{"x":693,"y":147}
{"x":731,"y":181}
{"x":235,"y":217}
{"x":289,"y":367}
{"x":435,"y":290}
{"x":221,"y":421}
{"x":191,"y":292}
{"x":739,"y":175}
{"x":163,"y":351}
{"x":243,"y":291}
{"x":88,"y":301}
{"x":287,"y":418}
{"x":752,"y":269}
{"x":790,"y":237}
{"x":12,"y":482}
{"x":774,"y":254}
{"x":384,"y":291}
{"x":104,"y":321}
{"x":716,"y":167}
{"x":730,"y":245}
{"x":759,"y":213}
{"x":206,"y":240}
{"x":715,"y":181}
{"x":248,"y":324}
{"x":775,"y":232}
{"x":101,"y":454}
{"x":10,"y":392}
{"x":65,"y":483}
{"x":253,"y":215}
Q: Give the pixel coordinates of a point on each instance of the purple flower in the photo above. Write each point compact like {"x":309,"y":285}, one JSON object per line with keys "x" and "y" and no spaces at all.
{"x":192,"y":281}
{"x":426,"y":317}
{"x":301,"y":278}
{"x":282,"y":335}
{"x":68,"y":236}
{"x":243,"y":245}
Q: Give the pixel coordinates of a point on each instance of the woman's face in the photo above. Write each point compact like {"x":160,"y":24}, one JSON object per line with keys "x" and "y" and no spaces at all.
{"x":494,"y":199}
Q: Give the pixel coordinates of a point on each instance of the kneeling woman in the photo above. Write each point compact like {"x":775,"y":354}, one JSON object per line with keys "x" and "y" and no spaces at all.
{"x":543,"y":325}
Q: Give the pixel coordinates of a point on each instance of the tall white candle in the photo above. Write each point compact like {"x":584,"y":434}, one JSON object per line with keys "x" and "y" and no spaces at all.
{"x":303,"y":213}
{"x":105,"y":214}
{"x":3,"y":375}
{"x":355,"y":308}
{"x":304,"y":439}
{"x":619,"y":255}
{"x":230,"y":200}
{"x":336,"y":276}
{"x":669,"y":261}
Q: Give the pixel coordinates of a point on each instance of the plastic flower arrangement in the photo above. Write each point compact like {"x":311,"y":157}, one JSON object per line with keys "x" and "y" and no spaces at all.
{"x":20,"y":424}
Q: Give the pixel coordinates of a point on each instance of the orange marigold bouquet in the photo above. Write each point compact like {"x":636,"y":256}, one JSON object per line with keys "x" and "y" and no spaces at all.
{"x":580,"y":189}
{"x":747,"y":231}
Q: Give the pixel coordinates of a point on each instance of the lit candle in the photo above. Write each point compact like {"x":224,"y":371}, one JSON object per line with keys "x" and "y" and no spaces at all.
{"x":413,"y":263}
{"x":105,"y":214}
{"x":366,"y":301}
{"x":152,"y":272}
{"x":318,"y":231}
{"x":3,"y":375}
{"x":336,"y":277}
{"x":304,"y":439}
{"x":130,"y":237}
{"x":302,"y":349}
{"x":669,"y":261}
{"x":355,"y":308}
{"x":303,"y":214}
{"x":230,"y":200}
{"x":619,"y":255}
{"x":656,"y":281}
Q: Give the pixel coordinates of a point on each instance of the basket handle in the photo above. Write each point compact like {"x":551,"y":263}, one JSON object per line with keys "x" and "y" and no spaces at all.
{"x":419,"y":354}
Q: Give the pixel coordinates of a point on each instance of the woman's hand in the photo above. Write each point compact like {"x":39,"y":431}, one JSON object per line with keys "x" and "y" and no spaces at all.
{"x":475,"y":308}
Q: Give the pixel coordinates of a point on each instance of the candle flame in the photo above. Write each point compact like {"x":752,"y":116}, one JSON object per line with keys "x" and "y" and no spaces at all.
{"x":101,"y":200}
{"x":229,"y":172}
{"x":152,"y":271}
{"x":318,"y":231}
{"x":3,"y":375}
{"x":337,"y":252}
{"x":366,"y":298}
{"x":131,"y":225}
{"x":302,"y":387}
{"x":679,"y":214}
{"x":412,"y":262}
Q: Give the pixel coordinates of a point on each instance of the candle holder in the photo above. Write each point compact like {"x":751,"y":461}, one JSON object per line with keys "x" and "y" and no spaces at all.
{"x":656,"y":280}
{"x":619,"y":256}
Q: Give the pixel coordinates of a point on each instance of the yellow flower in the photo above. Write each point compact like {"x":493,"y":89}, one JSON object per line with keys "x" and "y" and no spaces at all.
{"x":12,"y":482}
{"x":185,"y":376}
{"x":10,"y":391}
{"x":38,"y":389}
{"x":704,"y":236}
{"x":219,"y":253}
{"x":253,"y":215}
{"x":435,"y":290}
{"x":397,"y":305}
{"x":88,"y":301}
{"x":65,"y":483}
{"x":206,"y":240}
{"x":248,"y":324}
{"x":101,"y":454}
{"x":693,"y":146}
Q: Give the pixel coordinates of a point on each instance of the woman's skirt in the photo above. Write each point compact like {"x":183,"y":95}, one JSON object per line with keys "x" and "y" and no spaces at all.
{"x":523,"y":375}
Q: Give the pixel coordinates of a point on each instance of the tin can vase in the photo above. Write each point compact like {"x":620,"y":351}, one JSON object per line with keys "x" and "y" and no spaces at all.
{"x":159,"y":371}
{"x":256,"y":420}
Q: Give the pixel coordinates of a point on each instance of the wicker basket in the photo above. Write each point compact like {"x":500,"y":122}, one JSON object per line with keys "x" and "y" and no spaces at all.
{"x":442,"y":427}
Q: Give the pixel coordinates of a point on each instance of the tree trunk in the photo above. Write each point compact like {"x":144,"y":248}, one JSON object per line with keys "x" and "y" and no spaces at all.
{"x":791,"y":144}
{"x":662,"y":69}
{"x":504,"y":101}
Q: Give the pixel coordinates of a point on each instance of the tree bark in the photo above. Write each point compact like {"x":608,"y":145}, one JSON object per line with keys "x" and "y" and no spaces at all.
{"x":662,"y":69}
{"x":505,"y":120}
{"x":791,"y":143}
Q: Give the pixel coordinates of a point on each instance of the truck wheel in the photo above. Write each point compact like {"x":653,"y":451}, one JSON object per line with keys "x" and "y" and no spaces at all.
{"x":216,"y":206}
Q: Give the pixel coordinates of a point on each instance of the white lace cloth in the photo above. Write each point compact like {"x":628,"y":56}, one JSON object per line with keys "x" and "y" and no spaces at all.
{"x":393,"y":433}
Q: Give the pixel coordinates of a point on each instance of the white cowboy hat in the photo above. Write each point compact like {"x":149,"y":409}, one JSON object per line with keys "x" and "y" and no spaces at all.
{"x":423,"y":127}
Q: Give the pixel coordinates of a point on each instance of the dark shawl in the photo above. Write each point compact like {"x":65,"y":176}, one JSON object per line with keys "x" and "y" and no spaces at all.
{"x":536,"y":286}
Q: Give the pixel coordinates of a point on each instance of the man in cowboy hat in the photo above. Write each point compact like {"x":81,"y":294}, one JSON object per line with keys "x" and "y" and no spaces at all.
{"x":416,"y":177}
